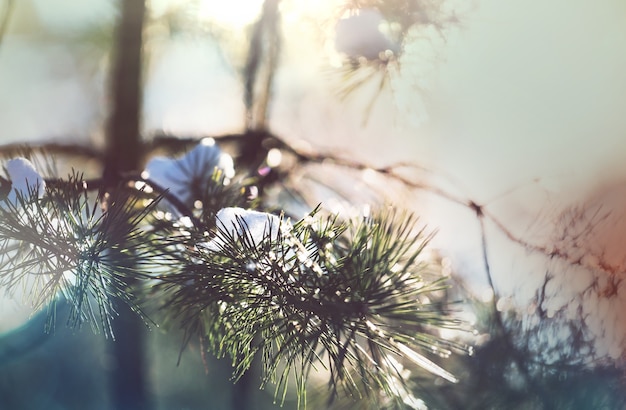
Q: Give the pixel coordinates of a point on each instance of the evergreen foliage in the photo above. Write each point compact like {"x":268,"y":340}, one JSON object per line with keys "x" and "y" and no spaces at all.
{"x":197,"y":245}
{"x":348,"y":297}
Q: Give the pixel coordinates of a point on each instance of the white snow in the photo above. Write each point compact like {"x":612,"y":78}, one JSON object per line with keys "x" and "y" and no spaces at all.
{"x":193,"y":170}
{"x":24,"y":179}
{"x":258,"y":225}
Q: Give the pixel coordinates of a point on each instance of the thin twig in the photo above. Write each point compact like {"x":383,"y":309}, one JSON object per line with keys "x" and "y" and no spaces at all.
{"x":52,"y":148}
{"x":551,"y":252}
{"x":174,"y":143}
{"x":518,"y":357}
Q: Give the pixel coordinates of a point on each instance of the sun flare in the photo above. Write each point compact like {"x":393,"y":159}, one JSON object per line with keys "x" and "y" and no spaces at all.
{"x":232,"y":12}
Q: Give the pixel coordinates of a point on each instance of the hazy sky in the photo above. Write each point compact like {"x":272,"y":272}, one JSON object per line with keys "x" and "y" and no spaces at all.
{"x":534,"y":89}
{"x":518,"y":90}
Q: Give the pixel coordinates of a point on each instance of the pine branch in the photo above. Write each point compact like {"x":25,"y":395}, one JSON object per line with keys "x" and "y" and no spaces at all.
{"x":61,"y":244}
{"x":323,"y":294}
{"x":285,"y":310}
{"x":51,"y":149}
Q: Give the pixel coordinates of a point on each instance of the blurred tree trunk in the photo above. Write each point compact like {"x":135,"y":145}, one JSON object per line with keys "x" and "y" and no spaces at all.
{"x":260,"y":67}
{"x":5,"y":18}
{"x":127,"y":375}
{"x":123,"y":140}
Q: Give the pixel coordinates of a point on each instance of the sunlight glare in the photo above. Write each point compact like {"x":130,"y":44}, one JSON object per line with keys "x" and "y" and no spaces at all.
{"x":232,"y":12}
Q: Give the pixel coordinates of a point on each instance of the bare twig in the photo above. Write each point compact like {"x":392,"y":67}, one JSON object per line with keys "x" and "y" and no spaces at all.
{"x":480,"y":210}
{"x":52,"y":148}
{"x":174,"y":143}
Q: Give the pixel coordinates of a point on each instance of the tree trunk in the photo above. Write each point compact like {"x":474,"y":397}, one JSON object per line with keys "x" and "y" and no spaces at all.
{"x":127,"y":375}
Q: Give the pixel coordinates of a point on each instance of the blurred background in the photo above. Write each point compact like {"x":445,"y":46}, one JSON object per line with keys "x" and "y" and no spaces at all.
{"x":515,"y":106}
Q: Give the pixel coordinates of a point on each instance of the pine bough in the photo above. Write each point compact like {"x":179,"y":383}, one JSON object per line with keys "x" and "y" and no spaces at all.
{"x":347,"y":297}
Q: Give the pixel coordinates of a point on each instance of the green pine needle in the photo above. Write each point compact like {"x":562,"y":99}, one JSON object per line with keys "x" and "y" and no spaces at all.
{"x":65,"y":244}
{"x":346,"y":298}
